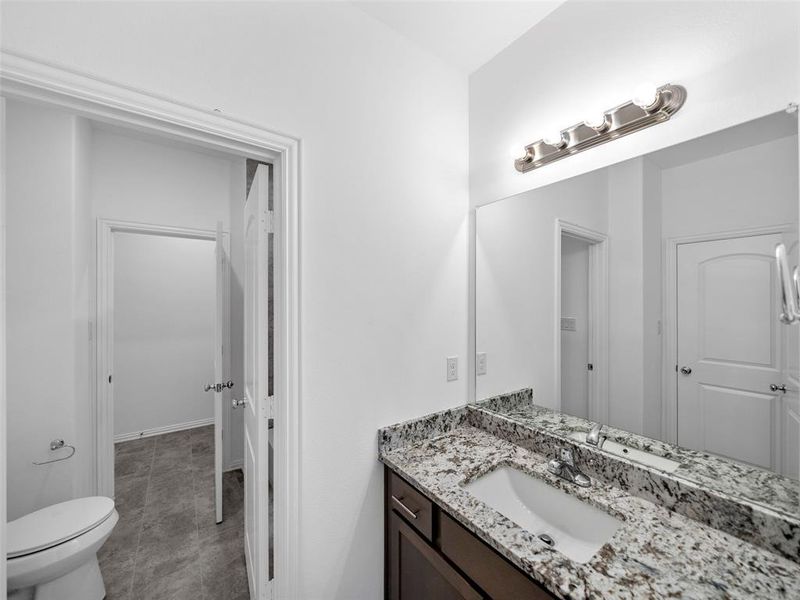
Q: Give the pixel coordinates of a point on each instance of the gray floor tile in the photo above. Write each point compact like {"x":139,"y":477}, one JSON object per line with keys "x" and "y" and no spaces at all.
{"x":167,"y":525}
{"x":220,"y":553}
{"x":118,"y":577}
{"x":130,"y":492}
{"x":167,"y":544}
{"x":139,"y":446}
{"x":203,"y":463}
{"x":123,"y":541}
{"x":163,"y":558}
{"x":132,"y":463}
{"x":233,"y":586}
{"x":182,"y":585}
{"x":166,"y":489}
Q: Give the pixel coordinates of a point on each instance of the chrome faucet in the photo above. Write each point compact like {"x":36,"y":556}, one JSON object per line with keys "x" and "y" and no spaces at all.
{"x":593,"y":437}
{"x":565,"y":468}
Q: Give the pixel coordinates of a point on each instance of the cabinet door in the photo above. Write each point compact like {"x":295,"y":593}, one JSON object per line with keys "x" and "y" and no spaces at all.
{"x":418,"y":572}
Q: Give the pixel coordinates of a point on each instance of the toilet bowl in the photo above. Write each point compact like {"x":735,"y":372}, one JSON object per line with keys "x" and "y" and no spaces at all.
{"x":52,"y":553}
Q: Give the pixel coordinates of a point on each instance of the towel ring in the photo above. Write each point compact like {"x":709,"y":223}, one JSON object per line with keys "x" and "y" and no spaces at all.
{"x":57,"y":445}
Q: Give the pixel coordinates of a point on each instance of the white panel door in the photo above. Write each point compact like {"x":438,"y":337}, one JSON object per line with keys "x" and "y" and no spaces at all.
{"x":256,"y":407}
{"x":789,"y":412}
{"x":731,"y":349}
{"x":219,"y":250}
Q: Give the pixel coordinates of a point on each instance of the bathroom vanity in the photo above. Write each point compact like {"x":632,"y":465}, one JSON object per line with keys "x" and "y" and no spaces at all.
{"x":634,"y":425}
{"x":429,"y":554}
{"x":635,"y":532}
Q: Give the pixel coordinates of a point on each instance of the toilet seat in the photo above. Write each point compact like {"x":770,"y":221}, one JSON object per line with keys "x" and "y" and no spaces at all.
{"x":56,"y":524}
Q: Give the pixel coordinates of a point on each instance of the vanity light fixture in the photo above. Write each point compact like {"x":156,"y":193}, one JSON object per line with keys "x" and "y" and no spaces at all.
{"x":649,"y":106}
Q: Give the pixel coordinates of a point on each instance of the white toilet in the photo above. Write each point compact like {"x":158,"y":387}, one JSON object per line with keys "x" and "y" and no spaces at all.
{"x":52,"y":553}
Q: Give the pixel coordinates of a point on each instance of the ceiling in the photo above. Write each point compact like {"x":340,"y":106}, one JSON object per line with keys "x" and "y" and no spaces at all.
{"x":465,"y":34}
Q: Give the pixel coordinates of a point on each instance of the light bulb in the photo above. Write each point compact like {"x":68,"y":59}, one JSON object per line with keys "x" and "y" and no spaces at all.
{"x":645,"y":95}
{"x":516,"y":151}
{"x":554,"y":138}
{"x":595,"y":121}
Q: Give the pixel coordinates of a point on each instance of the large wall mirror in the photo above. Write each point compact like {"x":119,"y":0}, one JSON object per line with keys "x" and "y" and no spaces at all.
{"x":644,"y":296}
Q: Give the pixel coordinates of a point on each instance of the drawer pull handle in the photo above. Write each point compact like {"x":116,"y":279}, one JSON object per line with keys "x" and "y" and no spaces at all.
{"x":407,"y":510}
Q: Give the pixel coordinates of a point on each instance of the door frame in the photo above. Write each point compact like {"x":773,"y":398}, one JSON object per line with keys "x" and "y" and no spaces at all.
{"x":669,"y":375}
{"x":28,"y":79}
{"x":104,"y":333}
{"x":598,"y":316}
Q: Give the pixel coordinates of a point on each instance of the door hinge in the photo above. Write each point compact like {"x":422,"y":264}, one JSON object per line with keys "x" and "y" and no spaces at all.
{"x":270,"y":221}
{"x":271,"y":407}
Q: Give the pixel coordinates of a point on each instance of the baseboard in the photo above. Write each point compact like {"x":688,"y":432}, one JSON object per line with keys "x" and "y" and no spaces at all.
{"x":127,"y":437}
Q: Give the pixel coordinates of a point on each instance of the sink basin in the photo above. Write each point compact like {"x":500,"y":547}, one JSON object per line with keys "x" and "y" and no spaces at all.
{"x":575,"y":528}
{"x":640,"y":456}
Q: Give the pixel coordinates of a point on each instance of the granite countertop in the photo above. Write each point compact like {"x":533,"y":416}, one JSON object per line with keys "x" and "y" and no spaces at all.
{"x":656,"y":553}
{"x":756,"y":485}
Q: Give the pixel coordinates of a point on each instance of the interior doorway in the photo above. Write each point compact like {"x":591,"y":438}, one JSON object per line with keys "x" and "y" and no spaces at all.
{"x":141,"y":115}
{"x":582,"y":327}
{"x":162,"y":327}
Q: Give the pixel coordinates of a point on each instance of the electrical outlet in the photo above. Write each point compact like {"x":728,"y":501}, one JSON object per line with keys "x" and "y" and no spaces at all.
{"x":480,"y":364}
{"x":452,"y":368}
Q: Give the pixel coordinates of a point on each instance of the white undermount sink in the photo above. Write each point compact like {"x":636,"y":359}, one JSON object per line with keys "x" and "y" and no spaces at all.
{"x":575,"y":528}
{"x":640,"y":456}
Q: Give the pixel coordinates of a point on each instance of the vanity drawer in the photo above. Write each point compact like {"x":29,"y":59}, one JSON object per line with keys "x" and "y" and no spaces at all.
{"x":412,"y":506}
{"x":497,"y":577}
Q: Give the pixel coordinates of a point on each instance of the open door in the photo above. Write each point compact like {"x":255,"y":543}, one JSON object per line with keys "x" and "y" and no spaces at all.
{"x":256,"y":398}
{"x":218,"y":371}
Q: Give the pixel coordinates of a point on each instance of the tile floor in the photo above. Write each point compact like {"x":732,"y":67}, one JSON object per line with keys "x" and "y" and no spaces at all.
{"x":166,"y":545}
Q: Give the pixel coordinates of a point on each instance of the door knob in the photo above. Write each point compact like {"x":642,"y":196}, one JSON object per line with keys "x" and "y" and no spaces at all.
{"x":218,"y":387}
{"x":686,"y":370}
{"x":237,"y":403}
{"x":778,"y":388}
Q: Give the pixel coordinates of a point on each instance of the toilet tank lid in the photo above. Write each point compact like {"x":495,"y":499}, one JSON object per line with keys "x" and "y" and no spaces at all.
{"x":56,"y":524}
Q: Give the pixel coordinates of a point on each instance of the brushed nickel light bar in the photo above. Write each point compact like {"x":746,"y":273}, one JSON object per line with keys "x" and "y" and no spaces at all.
{"x":626,"y":118}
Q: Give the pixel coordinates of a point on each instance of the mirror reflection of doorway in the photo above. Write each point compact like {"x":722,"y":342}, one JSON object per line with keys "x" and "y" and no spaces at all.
{"x":582,"y":305}
{"x":575,"y":355}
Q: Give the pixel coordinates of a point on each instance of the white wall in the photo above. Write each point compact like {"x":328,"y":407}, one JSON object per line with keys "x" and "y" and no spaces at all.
{"x":515,"y":279}
{"x":575,"y":344}
{"x":383,"y":217}
{"x":47,"y":326}
{"x":652,"y":298}
{"x":625,"y":295}
{"x":752,"y":187}
{"x":164,"y":314}
{"x":738,"y":61}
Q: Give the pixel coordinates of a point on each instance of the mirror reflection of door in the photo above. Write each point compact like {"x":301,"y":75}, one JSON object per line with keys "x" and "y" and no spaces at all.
{"x":575,"y":326}
{"x":734,"y":388}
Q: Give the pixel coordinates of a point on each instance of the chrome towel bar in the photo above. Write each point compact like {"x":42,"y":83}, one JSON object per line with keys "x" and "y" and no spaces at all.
{"x":57,"y":445}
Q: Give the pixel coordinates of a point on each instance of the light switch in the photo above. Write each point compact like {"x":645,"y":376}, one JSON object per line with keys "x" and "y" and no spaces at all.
{"x":569,"y":324}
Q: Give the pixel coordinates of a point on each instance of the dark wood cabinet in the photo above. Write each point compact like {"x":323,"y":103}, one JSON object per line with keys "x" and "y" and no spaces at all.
{"x":419,"y":571}
{"x":429,"y":556}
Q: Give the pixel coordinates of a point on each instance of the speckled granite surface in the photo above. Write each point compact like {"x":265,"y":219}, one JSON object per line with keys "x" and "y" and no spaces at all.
{"x":735,"y":479}
{"x":657,"y":553}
